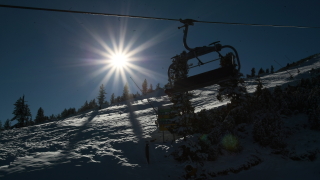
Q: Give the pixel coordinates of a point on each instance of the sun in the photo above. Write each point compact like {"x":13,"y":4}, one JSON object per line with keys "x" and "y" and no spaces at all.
{"x":119,"y":60}
{"x":118,"y":54}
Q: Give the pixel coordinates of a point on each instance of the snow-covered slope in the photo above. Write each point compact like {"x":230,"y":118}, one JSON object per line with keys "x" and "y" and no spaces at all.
{"x":110,"y":143}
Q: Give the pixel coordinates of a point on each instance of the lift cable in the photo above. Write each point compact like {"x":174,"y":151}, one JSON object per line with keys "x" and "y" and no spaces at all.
{"x":145,"y":17}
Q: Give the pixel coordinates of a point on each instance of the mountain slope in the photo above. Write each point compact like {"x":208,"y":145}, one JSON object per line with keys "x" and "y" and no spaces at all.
{"x":110,"y":143}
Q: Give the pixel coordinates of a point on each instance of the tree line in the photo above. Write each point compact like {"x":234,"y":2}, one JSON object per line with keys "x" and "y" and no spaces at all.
{"x":260,"y":72}
{"x":22,"y":112}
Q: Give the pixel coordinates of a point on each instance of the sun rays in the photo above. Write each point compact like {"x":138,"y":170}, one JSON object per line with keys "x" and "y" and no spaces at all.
{"x":117,"y":53}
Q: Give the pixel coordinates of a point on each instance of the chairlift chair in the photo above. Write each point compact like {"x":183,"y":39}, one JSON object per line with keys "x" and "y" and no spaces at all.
{"x":230,"y":66}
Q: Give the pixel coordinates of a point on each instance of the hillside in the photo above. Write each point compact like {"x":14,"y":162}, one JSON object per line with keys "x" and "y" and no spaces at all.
{"x":110,"y":143}
{"x":297,"y":64}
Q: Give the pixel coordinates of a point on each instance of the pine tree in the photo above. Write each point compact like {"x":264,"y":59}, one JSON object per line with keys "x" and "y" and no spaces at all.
{"x":126,"y":92}
{"x":267,"y":70}
{"x":150,"y":90}
{"x":64,"y":113}
{"x":29,"y":122}
{"x":7,"y":124}
{"x":272,"y":69}
{"x":72,"y":111}
{"x":253,"y":72}
{"x":259,"y":87}
{"x":158,"y":86}
{"x":261,"y":71}
{"x":18,"y":111}
{"x":233,"y":89}
{"x":52,"y":117}
{"x":28,"y":116}
{"x":118,"y":99}
{"x":182,"y":107}
{"x":144,"y":87}
{"x":84,"y":107}
{"x":101,"y":96}
{"x":92,"y":105}
{"x":1,"y":125}
{"x":21,"y":112}
{"x":40,"y":116}
{"x":112,"y":100}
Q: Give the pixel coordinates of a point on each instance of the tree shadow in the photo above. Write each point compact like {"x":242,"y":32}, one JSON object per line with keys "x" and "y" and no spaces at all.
{"x":72,"y":134}
{"x":79,"y":134}
{"x":136,"y":126}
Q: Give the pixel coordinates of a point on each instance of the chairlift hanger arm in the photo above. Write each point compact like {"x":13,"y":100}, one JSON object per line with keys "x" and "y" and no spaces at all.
{"x":197,"y":51}
{"x":186,"y":23}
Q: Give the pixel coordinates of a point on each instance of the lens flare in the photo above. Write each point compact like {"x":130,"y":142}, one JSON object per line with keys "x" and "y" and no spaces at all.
{"x":230,"y":142}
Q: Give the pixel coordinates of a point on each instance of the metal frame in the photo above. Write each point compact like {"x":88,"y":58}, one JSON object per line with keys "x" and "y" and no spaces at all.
{"x":199,"y":51}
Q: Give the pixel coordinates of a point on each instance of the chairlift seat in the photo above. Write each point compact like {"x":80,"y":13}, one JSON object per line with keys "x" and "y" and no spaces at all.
{"x":208,"y":78}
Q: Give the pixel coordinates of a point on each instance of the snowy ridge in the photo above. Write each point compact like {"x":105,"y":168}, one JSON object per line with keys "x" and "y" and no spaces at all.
{"x":109,"y":143}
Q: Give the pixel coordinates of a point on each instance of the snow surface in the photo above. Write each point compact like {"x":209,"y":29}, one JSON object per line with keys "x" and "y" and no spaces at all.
{"x":110,"y":143}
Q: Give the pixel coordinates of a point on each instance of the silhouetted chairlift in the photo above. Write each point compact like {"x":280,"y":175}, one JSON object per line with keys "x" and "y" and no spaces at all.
{"x":230,"y":66}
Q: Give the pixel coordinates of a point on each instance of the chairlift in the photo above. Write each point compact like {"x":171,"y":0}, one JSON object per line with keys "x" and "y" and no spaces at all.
{"x":230,"y":65}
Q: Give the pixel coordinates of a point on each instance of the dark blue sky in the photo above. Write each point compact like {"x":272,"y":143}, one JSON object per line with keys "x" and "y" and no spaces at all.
{"x":57,"y":60}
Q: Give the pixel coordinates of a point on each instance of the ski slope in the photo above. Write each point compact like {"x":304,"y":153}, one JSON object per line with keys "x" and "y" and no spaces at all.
{"x":110,"y":143}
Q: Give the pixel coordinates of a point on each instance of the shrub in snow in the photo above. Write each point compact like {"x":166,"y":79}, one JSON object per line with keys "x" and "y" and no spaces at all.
{"x":314,"y":118}
{"x":185,"y":117}
{"x":268,"y":129}
{"x":189,"y":149}
{"x":296,"y":98}
{"x":261,"y":99}
{"x":214,"y":119}
{"x":233,"y":90}
{"x":207,"y":147}
{"x":196,"y":148}
{"x":280,"y":103}
{"x":259,"y":88}
{"x":239,"y":115}
{"x":204,"y":144}
{"x":313,"y":98}
{"x":315,"y":71}
{"x":212,"y":123}
{"x":228,"y":124}
{"x":204,"y":123}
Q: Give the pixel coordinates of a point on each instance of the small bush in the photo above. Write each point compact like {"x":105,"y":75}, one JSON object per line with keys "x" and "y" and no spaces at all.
{"x":314,"y":118}
{"x":268,"y":129}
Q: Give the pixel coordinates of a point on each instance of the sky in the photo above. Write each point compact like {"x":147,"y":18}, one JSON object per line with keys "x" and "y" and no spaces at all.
{"x":59,"y":60}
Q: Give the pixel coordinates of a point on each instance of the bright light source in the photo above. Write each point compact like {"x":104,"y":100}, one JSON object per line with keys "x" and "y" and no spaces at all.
{"x":119,"y":60}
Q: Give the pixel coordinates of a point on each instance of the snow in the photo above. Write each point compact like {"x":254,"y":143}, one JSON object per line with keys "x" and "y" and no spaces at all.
{"x":110,"y":143}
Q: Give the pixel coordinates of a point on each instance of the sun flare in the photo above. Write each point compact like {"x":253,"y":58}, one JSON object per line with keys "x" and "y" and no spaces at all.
{"x":120,"y":54}
{"x":119,"y":60}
